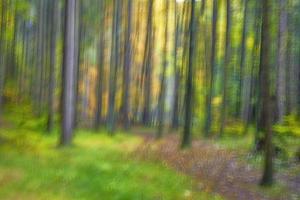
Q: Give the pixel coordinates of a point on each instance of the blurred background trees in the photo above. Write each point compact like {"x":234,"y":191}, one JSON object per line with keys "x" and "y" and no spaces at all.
{"x":208,"y":68}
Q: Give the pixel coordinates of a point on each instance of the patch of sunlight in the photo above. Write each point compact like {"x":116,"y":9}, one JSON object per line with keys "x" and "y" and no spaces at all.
{"x":217,"y":100}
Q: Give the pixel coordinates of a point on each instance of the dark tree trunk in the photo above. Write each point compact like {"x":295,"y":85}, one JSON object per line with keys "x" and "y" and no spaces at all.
{"x":51,"y":95}
{"x":2,"y":49}
{"x":68,"y":78}
{"x":226,"y":66}
{"x":299,"y":85}
{"x":113,"y":68}
{"x":291,"y":71}
{"x":209,"y":95}
{"x":281,"y":61}
{"x":175,"y":116}
{"x":100,"y":74}
{"x":147,"y":64}
{"x":267,"y":178}
{"x":127,"y":68}
{"x":188,"y":117}
{"x":253,"y":105}
{"x":12,"y":68}
{"x":40,"y":54}
{"x":78,"y":40}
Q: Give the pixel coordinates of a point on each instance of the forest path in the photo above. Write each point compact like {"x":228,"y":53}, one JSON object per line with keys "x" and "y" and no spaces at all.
{"x":216,"y":170}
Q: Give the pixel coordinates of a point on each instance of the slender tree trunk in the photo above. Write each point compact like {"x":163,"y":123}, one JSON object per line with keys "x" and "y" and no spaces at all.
{"x":40,"y":54}
{"x":127,"y":68}
{"x":68,"y":78}
{"x":78,"y":40}
{"x":299,"y":85}
{"x":252,"y":107}
{"x":288,"y":77}
{"x":267,"y":178}
{"x":113,"y":68}
{"x":256,"y":79}
{"x":12,"y":69}
{"x":241,"y":86}
{"x":100,"y":75}
{"x":148,"y":67}
{"x":208,"y":118}
{"x":20,"y":79}
{"x":162,"y":93}
{"x":226,"y":66}
{"x":175,"y":118}
{"x":186,"y":138}
{"x":281,"y":61}
{"x":51,"y":95}
{"x":2,"y":49}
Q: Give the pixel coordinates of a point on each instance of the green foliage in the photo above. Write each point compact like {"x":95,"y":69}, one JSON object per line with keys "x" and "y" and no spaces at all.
{"x":235,"y":128}
{"x":243,"y":144}
{"x":290,"y":126}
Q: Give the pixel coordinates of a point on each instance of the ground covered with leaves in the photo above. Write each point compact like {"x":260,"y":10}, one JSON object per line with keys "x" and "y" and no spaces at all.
{"x":220,"y":168}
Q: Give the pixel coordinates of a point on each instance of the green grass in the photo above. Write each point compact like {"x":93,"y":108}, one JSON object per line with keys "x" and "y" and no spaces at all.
{"x":96,"y":166}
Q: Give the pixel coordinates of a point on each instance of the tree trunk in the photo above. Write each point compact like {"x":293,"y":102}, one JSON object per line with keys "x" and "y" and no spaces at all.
{"x":113,"y":68}
{"x":127,"y":68}
{"x":186,"y":139}
{"x":208,"y":118}
{"x":241,"y":85}
{"x":252,"y":107}
{"x":299,"y":85}
{"x":13,"y":65}
{"x":281,"y":61}
{"x":51,"y":95}
{"x":226,"y":66}
{"x":147,"y":64}
{"x":265,"y":118}
{"x":78,"y":40}
{"x":162,"y":93}
{"x":2,"y":49}
{"x":175,"y":116}
{"x":40,"y":54}
{"x":100,"y":74}
{"x":68,"y":78}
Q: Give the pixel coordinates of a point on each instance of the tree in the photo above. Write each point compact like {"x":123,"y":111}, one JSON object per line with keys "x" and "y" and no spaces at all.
{"x":40,"y":57}
{"x":51,"y":93}
{"x":100,"y":73}
{"x":242,"y":70}
{"x":265,"y":118}
{"x":2,"y":49}
{"x":226,"y":65}
{"x":113,"y":69}
{"x":175,"y":117}
{"x":147,"y":65}
{"x":162,"y":92}
{"x":186,"y":139}
{"x":78,"y":43}
{"x":281,"y":61}
{"x":127,"y":67}
{"x":68,"y":79}
{"x":252,"y":111}
{"x":209,"y":95}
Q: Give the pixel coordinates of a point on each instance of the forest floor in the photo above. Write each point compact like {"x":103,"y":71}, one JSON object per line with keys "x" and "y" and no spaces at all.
{"x":128,"y":166}
{"x":97,"y":166}
{"x":221,"y":170}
